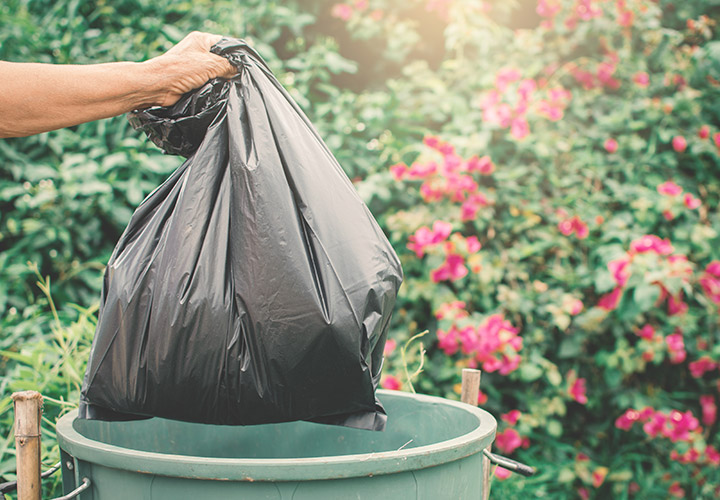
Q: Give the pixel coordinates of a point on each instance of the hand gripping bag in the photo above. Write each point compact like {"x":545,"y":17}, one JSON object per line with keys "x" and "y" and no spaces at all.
{"x":253,"y":285}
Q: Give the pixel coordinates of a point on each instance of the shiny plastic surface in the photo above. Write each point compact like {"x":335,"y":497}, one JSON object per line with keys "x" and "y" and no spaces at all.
{"x":253,"y":286}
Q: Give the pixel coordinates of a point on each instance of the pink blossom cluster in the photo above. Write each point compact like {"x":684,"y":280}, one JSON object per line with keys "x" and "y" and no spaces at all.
{"x":451,"y":179}
{"x":493,"y":344}
{"x":426,"y":237}
{"x":582,"y":10}
{"x":345,"y":11}
{"x":577,"y":387}
{"x":390,"y":382}
{"x":603,"y":76}
{"x":673,"y":192}
{"x":508,"y":104}
{"x":675,"y":344}
{"x":509,"y":440}
{"x":574,"y":225}
{"x":677,"y":427}
{"x":455,"y":250}
{"x":675,"y":264}
{"x":710,"y":281}
{"x":704,"y":133}
{"x":703,"y":365}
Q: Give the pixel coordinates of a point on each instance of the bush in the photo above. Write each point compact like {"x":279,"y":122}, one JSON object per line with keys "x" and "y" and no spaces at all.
{"x":548,"y":171}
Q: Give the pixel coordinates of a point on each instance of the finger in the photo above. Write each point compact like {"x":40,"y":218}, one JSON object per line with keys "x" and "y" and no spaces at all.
{"x":206,"y":40}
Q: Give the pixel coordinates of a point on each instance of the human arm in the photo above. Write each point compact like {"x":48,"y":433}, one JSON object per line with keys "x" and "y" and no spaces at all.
{"x":35,"y":97}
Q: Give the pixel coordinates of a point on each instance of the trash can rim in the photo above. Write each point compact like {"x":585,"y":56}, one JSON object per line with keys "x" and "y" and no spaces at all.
{"x":284,"y":469}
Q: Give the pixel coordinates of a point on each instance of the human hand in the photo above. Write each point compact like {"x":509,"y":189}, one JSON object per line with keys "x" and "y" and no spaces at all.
{"x":187,"y":66}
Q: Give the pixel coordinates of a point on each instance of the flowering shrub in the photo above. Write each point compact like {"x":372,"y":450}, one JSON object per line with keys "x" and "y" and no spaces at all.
{"x":548,"y":171}
{"x":556,"y":215}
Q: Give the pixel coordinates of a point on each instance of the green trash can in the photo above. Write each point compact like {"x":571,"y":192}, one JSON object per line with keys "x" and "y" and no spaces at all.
{"x":431,"y":449}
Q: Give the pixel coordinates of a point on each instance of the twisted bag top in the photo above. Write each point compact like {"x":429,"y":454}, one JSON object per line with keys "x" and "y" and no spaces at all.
{"x":253,"y":285}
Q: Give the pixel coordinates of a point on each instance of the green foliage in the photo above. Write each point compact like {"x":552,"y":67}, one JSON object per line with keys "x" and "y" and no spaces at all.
{"x":540,"y":88}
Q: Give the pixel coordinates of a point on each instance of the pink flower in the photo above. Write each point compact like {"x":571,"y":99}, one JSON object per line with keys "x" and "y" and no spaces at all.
{"x":669,"y":188}
{"x":548,"y":8}
{"x":709,"y":409}
{"x":716,"y":139}
{"x":470,"y":207}
{"x":610,"y":301}
{"x":473,"y":244}
{"x":342,"y":11}
{"x":550,"y":110}
{"x":454,"y":310}
{"x":482,"y":398}
{"x":452,"y":269}
{"x":482,"y":165}
{"x":676,"y":305}
{"x":647,"y":332}
{"x":391,"y":382}
{"x":390,"y":346}
{"x":679,"y":143}
{"x":598,"y":476}
{"x":611,"y":145}
{"x":655,"y":424}
{"x":448,"y":341}
{"x":508,"y":441}
{"x":627,"y":419}
{"x":704,"y":132}
{"x":651,"y":243}
{"x":712,"y":456}
{"x":678,"y":426}
{"x":422,"y":170}
{"x":620,"y":270}
{"x":702,"y":366}
{"x":399,"y":170}
{"x":502,"y":473}
{"x":577,"y":391}
{"x":690,"y":201}
{"x":361,"y":4}
{"x":676,"y":347}
{"x":574,"y":225}
{"x":676,"y":491}
{"x":519,"y":128}
{"x":508,"y":364}
{"x":626,"y":18}
{"x":511,"y":417}
{"x":713,"y":268}
{"x":431,"y":141}
{"x":572,"y":306}
{"x":711,"y":287}
{"x":506,"y":76}
{"x":583,"y":493}
{"x":641,"y":79}
{"x":425,"y":237}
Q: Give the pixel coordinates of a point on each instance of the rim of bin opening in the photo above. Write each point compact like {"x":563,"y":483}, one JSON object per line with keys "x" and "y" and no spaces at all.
{"x":284,"y":469}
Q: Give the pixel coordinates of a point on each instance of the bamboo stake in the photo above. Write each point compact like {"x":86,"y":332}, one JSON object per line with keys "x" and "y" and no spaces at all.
{"x":469,"y":394}
{"x":470,"y":386}
{"x":28,"y":408}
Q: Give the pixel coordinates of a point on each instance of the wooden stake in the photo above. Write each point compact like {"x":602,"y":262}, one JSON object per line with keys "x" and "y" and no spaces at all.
{"x":470,"y":386}
{"x":28,"y":408}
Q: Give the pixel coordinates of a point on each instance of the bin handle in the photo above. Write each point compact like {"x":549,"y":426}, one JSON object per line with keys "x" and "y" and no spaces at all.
{"x":12,"y":485}
{"x":509,"y":464}
{"x":85,"y":485}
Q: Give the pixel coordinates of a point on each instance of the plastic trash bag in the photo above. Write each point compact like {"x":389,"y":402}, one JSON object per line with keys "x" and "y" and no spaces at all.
{"x":253,"y":285}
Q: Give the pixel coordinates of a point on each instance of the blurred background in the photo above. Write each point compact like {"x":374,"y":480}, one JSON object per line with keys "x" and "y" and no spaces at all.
{"x":547,"y":170}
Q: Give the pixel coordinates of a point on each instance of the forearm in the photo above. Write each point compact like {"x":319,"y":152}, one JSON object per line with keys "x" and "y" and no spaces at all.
{"x":40,"y":97}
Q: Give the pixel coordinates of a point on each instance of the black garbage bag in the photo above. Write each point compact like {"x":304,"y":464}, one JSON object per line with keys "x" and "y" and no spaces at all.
{"x":253,"y":285}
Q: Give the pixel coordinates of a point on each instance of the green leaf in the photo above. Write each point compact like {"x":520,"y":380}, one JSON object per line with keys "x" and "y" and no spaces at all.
{"x":646,"y":295}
